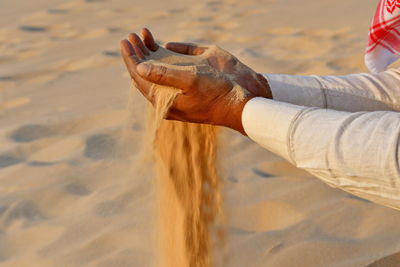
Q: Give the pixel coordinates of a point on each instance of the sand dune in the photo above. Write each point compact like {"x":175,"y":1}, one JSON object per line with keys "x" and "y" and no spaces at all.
{"x":73,"y":191}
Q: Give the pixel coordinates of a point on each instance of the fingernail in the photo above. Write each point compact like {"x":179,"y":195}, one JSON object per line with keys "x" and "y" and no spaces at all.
{"x":143,"y":69}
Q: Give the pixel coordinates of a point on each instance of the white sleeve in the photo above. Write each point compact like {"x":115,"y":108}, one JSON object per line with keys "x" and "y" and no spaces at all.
{"x":357,"y":152}
{"x":355,"y":92}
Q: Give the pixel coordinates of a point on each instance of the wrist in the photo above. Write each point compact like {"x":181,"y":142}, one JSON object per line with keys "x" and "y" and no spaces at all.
{"x":233,"y":118}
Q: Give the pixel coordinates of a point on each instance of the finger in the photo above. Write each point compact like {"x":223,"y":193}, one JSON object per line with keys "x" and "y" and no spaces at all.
{"x":134,"y":39}
{"x":180,"y":78}
{"x":139,"y":52}
{"x":130,"y":57}
{"x":131,"y":61}
{"x":149,"y":40}
{"x":164,"y":75}
{"x":187,"y":49}
{"x":128,"y":52}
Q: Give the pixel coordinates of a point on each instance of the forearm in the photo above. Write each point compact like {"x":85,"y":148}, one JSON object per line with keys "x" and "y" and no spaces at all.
{"x":357,"y":152}
{"x":355,"y":92}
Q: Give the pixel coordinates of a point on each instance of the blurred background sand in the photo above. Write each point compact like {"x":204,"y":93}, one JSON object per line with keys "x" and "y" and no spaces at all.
{"x":66,"y":197}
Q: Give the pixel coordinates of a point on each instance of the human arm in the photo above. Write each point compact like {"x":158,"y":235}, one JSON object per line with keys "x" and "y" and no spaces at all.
{"x":354,"y":92}
{"x":357,"y":152}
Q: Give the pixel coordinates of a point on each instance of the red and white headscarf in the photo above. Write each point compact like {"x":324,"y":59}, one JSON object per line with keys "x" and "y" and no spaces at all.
{"x":384,"y":36}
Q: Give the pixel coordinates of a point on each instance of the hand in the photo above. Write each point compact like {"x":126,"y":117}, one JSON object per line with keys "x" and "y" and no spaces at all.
{"x":218,"y":58}
{"x":225,"y":62}
{"x":206,"y":96}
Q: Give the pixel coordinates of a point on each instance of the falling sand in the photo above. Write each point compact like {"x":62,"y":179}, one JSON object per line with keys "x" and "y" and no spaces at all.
{"x":190,"y":210}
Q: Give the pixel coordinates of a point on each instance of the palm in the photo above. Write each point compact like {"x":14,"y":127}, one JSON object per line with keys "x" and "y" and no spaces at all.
{"x":225,"y":62}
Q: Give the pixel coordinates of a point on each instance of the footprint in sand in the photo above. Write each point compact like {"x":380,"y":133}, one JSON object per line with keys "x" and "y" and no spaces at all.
{"x":37,"y":76}
{"x":6,"y":78}
{"x":57,"y":11}
{"x":40,"y":163}
{"x":111,"y":53}
{"x":214,"y":6}
{"x":29,"y":133}
{"x":7,"y":160}
{"x":214,"y":3}
{"x":24,"y":210}
{"x":100,"y":147}
{"x":76,"y":189}
{"x":65,"y":31}
{"x":205,"y":19}
{"x":176,"y":11}
{"x":29,"y":28}
{"x":262,"y":173}
{"x":116,"y":29}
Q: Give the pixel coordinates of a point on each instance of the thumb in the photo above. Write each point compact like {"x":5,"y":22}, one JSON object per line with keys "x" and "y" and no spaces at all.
{"x":169,"y":75}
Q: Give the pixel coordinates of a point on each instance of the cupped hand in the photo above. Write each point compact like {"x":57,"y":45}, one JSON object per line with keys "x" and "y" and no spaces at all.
{"x":221,"y":60}
{"x":207,"y":94}
{"x":225,"y":62}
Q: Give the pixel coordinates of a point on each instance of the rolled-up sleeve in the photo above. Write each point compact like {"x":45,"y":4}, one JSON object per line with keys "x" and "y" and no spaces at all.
{"x":357,"y":152}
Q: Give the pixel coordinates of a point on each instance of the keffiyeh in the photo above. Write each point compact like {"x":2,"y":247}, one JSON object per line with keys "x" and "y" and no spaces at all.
{"x":384,"y":36}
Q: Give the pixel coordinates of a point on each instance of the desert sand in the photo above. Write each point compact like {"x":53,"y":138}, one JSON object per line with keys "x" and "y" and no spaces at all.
{"x":74,"y":193}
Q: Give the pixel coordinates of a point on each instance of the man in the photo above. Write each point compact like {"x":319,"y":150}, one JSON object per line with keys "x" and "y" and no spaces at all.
{"x":344,"y":130}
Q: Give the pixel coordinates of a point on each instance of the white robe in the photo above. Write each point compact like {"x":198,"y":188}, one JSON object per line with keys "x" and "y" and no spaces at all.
{"x":345,"y":130}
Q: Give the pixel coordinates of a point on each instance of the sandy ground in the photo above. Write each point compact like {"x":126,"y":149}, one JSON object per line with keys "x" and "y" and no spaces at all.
{"x":67,"y":198}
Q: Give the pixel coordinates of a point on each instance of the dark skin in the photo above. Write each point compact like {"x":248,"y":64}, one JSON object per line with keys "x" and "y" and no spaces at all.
{"x":206,"y":96}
